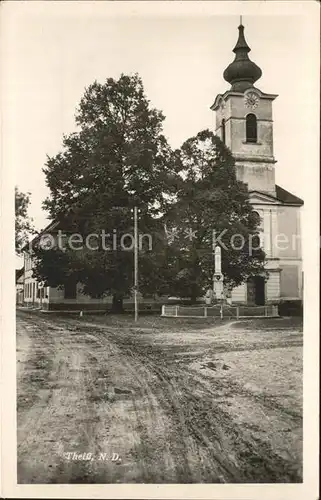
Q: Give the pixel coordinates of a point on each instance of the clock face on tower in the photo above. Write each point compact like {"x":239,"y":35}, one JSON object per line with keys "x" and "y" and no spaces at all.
{"x":251,"y":100}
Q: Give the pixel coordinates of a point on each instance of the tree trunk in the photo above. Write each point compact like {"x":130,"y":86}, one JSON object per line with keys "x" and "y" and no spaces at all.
{"x":193,"y":300}
{"x":193,"y":295}
{"x":117,"y":305}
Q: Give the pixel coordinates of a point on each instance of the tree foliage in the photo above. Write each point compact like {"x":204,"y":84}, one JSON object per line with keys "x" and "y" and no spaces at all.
{"x":210,"y":198}
{"x":118,"y":159}
{"x":23,"y":224}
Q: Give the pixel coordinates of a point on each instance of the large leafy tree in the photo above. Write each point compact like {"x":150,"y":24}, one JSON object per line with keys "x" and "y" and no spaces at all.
{"x":118,"y":159}
{"x":23,"y":223}
{"x":210,"y":198}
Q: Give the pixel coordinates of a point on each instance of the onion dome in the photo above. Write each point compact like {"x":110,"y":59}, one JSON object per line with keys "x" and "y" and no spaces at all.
{"x":242,"y":72}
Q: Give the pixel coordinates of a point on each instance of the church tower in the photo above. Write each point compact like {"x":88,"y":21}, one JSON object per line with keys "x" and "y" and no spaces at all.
{"x":244,"y":121}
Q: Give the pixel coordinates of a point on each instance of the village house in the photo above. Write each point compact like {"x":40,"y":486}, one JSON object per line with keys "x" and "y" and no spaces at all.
{"x":69,"y":298}
{"x":19,"y":286}
{"x":244,"y":123}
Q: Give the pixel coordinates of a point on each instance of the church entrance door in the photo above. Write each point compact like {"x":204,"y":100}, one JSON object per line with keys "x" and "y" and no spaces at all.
{"x":259,"y":290}
{"x":256,"y":291}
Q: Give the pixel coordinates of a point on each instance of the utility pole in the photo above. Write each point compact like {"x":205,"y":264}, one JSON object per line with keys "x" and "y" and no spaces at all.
{"x":136,"y":262}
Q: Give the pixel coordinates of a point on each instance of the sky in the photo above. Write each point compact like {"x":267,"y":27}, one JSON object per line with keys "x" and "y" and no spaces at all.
{"x":52,"y":54}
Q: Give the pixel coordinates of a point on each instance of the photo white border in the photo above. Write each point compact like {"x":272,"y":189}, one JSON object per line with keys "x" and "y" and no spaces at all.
{"x":310,"y":12}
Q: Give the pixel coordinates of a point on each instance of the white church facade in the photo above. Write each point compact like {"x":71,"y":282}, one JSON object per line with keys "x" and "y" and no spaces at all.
{"x":243,"y":121}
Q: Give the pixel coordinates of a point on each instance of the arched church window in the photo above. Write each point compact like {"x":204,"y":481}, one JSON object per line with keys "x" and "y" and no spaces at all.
{"x":255,"y":239}
{"x":251,"y":128}
{"x":256,"y":242}
{"x":223,"y":132}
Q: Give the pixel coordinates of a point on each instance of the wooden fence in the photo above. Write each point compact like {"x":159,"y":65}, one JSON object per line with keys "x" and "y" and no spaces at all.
{"x":224,"y":311}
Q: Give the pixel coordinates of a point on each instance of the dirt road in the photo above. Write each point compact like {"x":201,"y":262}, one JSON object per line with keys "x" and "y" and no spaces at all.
{"x":100,"y":401}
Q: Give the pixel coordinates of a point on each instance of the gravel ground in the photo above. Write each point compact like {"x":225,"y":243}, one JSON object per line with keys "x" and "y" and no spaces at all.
{"x":105,"y":400}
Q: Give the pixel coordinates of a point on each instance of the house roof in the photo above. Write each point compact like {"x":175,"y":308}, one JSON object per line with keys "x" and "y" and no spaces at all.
{"x":281,"y":195}
{"x":287,"y":197}
{"x":55,"y":224}
{"x":51,"y":226}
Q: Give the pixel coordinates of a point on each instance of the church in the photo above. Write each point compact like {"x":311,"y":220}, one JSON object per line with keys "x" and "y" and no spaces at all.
{"x":243,"y":121}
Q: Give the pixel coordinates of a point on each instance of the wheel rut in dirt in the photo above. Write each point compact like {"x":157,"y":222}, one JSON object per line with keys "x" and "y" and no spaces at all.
{"x":96,"y":388}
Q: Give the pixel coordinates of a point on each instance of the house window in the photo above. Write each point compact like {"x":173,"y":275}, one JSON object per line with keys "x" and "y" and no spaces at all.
{"x":223,"y":132}
{"x":251,"y":128}
{"x":70,"y":290}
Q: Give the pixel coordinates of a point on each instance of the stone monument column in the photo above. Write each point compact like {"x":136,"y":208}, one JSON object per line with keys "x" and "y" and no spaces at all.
{"x":218,"y":276}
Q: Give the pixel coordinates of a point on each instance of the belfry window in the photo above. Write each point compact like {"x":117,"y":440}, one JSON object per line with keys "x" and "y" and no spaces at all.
{"x":251,"y":128}
{"x":223,"y":132}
